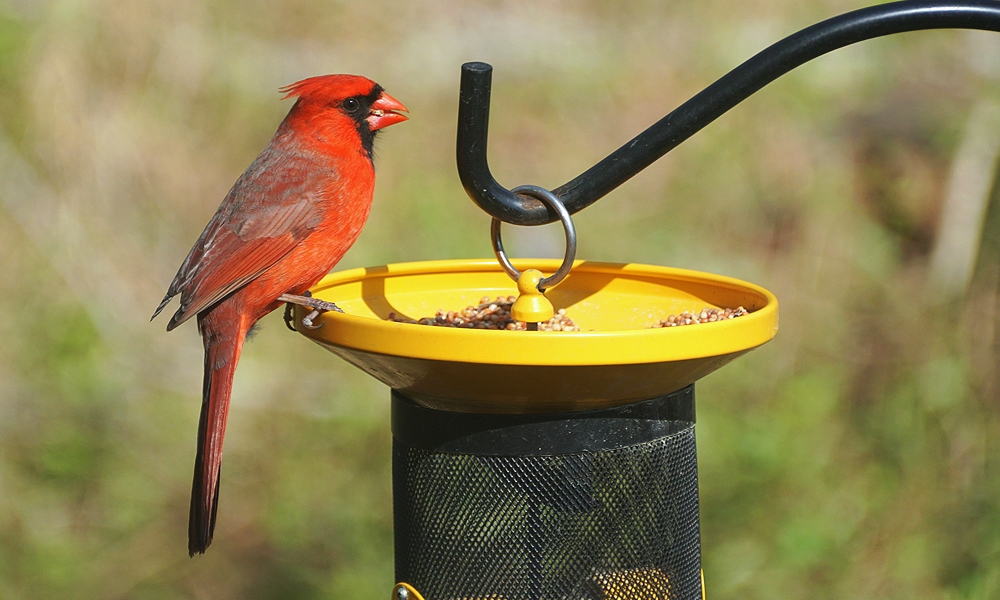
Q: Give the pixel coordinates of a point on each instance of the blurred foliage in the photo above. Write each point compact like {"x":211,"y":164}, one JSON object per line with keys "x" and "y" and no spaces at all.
{"x":855,"y":456}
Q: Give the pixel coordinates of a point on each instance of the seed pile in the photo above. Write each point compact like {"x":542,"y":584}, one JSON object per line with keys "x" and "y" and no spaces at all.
{"x":489,"y":314}
{"x":707,"y":315}
{"x":495,"y":314}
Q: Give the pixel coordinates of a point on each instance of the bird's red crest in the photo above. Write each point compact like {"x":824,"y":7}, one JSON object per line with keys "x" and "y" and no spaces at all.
{"x":327,"y":88}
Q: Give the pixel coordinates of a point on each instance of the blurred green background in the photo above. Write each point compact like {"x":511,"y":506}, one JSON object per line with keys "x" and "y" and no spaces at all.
{"x":855,"y":456}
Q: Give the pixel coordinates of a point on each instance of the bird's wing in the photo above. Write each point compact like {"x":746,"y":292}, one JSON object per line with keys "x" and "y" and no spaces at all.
{"x":265,"y":216}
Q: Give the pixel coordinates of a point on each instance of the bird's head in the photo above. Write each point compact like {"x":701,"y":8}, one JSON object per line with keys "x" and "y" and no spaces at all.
{"x":327,"y":103}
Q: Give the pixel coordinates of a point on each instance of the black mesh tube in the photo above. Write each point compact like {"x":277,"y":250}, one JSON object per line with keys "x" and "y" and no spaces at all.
{"x":588,"y":505}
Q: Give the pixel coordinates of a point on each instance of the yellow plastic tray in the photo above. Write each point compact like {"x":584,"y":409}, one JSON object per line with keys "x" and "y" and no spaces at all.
{"x":615,"y":358}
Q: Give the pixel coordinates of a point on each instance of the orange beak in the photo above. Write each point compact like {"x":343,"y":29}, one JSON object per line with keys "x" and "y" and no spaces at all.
{"x":382,"y":113}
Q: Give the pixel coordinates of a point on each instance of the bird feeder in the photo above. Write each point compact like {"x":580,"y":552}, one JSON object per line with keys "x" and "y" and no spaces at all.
{"x":543,"y":464}
{"x":532,"y":465}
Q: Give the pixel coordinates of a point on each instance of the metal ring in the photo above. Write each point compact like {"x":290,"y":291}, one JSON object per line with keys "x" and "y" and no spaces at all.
{"x":552,"y":201}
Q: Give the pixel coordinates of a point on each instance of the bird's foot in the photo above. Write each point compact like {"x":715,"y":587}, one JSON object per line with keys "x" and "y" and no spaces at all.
{"x":318,"y":307}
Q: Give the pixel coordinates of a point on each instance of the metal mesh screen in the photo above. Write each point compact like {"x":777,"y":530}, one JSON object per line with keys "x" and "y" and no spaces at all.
{"x":617,"y":522}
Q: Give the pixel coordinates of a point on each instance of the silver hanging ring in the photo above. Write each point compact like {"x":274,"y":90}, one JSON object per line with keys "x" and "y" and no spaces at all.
{"x":552,"y":201}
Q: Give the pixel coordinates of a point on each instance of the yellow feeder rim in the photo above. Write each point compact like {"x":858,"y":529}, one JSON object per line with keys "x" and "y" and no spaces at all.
{"x":614,"y":305}
{"x":615,"y":318}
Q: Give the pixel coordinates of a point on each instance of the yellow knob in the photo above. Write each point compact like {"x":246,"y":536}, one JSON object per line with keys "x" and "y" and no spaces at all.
{"x":404,"y":591}
{"x":531,"y":305}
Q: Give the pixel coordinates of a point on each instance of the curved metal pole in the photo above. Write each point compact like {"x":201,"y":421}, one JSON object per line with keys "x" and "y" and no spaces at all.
{"x":696,"y":113}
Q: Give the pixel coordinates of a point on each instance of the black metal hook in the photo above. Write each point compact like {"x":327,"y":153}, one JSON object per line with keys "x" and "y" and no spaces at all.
{"x":696,"y":113}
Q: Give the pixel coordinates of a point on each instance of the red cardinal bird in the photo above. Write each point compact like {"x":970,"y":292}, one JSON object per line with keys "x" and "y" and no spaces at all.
{"x":285,"y":223}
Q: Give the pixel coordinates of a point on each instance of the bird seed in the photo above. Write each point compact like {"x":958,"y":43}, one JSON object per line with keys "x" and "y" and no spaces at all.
{"x":495,"y":314}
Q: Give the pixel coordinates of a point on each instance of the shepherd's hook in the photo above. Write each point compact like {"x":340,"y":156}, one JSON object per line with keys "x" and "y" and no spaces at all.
{"x":696,"y":113}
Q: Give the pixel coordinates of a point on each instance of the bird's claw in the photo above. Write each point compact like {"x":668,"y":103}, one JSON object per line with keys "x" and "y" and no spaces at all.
{"x":318,"y":307}
{"x":307,"y":321}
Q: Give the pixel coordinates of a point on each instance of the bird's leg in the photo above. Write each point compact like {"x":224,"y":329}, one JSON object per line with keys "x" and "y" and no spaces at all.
{"x":318,"y":306}
{"x":289,"y":315}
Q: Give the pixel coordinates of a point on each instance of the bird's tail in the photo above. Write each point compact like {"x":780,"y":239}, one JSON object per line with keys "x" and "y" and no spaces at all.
{"x":223,"y":330}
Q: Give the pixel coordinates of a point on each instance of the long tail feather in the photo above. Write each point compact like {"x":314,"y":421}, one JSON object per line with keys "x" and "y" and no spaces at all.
{"x":223,"y":330}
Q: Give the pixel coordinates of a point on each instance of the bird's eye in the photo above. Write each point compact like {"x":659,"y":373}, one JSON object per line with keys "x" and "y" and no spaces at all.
{"x":351,"y":105}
